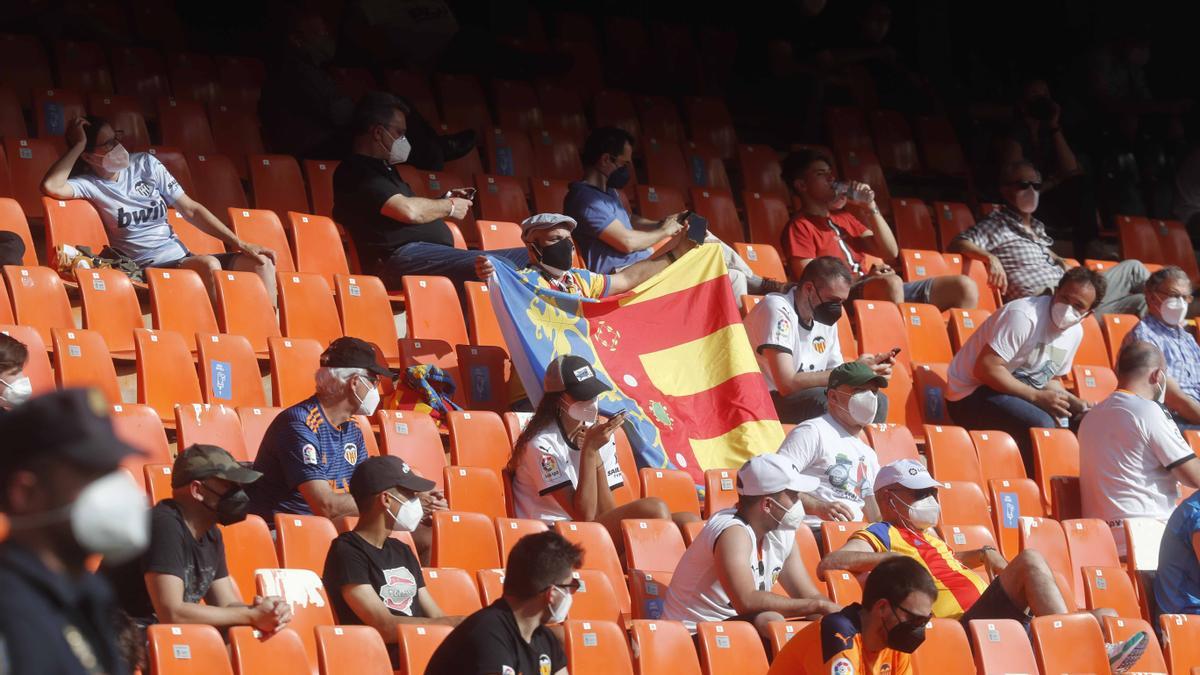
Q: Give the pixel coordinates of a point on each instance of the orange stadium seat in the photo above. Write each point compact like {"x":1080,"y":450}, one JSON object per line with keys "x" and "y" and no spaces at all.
{"x":1138,"y":239}
{"x":647,"y":591}
{"x":596,"y":648}
{"x":952,"y":219}
{"x":719,"y":490}
{"x":12,"y":120}
{"x":484,"y":329}
{"x":264,"y":228}
{"x":318,"y":174}
{"x":730,"y":647}
{"x":1176,"y":246}
{"x":927,"y":335}
{"x":317,"y":246}
{"x":12,"y":219}
{"x":709,"y":122}
{"x":651,"y":545}
{"x":81,"y":359}
{"x":1092,"y":351}
{"x":475,"y":489}
{"x":351,"y":650}
{"x":660,"y":201}
{"x":548,"y":195}
{"x":914,"y":225}
{"x":248,"y":546}
{"x":930,"y":379}
{"x":210,"y":425}
{"x":1118,"y":629}
{"x":664,"y":163}
{"x":767,"y":216}
{"x":705,"y":165}
{"x":478,"y":438}
{"x":1055,"y":453}
{"x":847,"y":127}
{"x":595,"y":600}
{"x":1181,"y":641}
{"x":1109,"y":587}
{"x":963,"y":503}
{"x":217,"y":184}
{"x":782,"y":633}
{"x":367,"y":313}
{"x":495,"y":234}
{"x":674,"y":487}
{"x":999,"y":456}
{"x":599,"y":553}
{"x":74,"y":222}
{"x":252,"y":652}
{"x":229,"y":372}
{"x":562,"y":111}
{"x":660,"y":118}
{"x":178,"y":649}
{"x":1045,"y":536}
{"x":863,"y":166}
{"x":39,"y":299}
{"x":946,"y":649}
{"x":55,"y":109}
{"x":952,"y":455}
{"x":110,"y":307}
{"x":453,"y":589}
{"x":307,"y":308}
{"x":277,"y":184}
{"x":139,"y":426}
{"x":294,"y":364}
{"x":83,"y":66}
{"x":302,"y":589}
{"x":24,"y":65}
{"x":964,"y":323}
{"x":509,"y":152}
{"x":1012,"y":498}
{"x":517,"y":104}
{"x":1090,"y":544}
{"x":717,"y":205}
{"x":1002,"y":646}
{"x":614,"y":108}
{"x":37,"y":368}
{"x":413,"y":437}
{"x":834,"y":535}
{"x":963,"y":538}
{"x":140,"y":72}
{"x":1069,"y":643}
{"x":1115,"y":328}
{"x":891,"y":442}
{"x":244,"y":309}
{"x":177,"y":165}
{"x":433,"y":310}
{"x":1094,"y":383}
{"x":157,"y":478}
{"x":28,"y":161}
{"x":510,"y":530}
{"x":844,"y":588}
{"x":303,"y":541}
{"x":237,"y":134}
{"x":880,"y":328}
{"x":917,"y":264}
{"x":940,"y":148}
{"x":254,"y":425}
{"x":417,"y":643}
{"x":193,"y":75}
{"x":663,"y":647}
{"x":501,"y":197}
{"x":464,"y":105}
{"x":179,"y":302}
{"x":760,"y":169}
{"x":184,"y":125}
{"x":464,"y":540}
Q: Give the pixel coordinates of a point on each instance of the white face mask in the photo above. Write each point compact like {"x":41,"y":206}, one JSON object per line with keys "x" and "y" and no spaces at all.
{"x":16,"y":392}
{"x":1027,"y":200}
{"x":1173,"y":311}
{"x":1064,"y":315}
{"x":398,"y":152}
{"x":793,"y":518}
{"x":560,"y":608}
{"x":584,"y":411}
{"x":923,"y":513}
{"x":116,"y":159}
{"x":367,"y":404}
{"x":111,"y":517}
{"x":408,"y":516}
{"x":861,"y":407}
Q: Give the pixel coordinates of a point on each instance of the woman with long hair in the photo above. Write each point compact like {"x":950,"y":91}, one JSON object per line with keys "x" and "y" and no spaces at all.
{"x":564,"y":464}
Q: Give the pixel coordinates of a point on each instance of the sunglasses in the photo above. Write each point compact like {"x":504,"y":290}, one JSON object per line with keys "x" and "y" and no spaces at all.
{"x":570,"y":588}
{"x":1026,"y":184}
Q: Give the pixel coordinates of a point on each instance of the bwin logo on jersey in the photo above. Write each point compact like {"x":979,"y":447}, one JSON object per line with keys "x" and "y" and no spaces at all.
{"x":127,"y":218}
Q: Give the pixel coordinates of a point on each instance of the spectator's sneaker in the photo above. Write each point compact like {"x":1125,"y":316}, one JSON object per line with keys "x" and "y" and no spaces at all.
{"x":1122,"y":655}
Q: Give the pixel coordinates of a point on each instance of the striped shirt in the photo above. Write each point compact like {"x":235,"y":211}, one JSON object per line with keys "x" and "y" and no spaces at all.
{"x":1179,"y":348}
{"x":1023,"y":251}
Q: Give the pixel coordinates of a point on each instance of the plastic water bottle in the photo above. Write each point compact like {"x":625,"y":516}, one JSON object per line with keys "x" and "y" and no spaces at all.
{"x":844,"y":189}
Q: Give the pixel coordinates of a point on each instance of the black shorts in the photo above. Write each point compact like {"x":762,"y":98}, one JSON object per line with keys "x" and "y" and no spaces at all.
{"x":995,"y":604}
{"x":226,"y":259}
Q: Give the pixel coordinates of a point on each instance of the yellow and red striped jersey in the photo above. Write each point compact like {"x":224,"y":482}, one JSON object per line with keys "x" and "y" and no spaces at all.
{"x":958,"y":587}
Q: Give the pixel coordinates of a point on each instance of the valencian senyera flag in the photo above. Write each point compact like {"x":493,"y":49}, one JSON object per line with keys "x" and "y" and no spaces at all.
{"x":673,"y":350}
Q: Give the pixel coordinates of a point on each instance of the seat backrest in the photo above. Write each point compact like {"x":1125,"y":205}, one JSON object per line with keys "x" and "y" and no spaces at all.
{"x":317,"y":245}
{"x":1092,"y":351}
{"x":717,"y":205}
{"x":453,"y":589}
{"x":186,"y":649}
{"x":952,"y":218}
{"x":510,"y":530}
{"x":652,"y":545}
{"x":1001,"y":646}
{"x":1115,"y":327}
{"x":484,"y":328}
{"x":891,"y":442}
{"x":548,"y":194}
{"x":945,"y":650}
{"x":302,"y":542}
{"x":762,"y":259}
{"x":782,"y":632}
{"x":766,"y":216}
{"x":1090,"y":544}
{"x":414,"y":437}
{"x":843,"y":587}
{"x":706,"y":168}
{"x":509,"y":152}
{"x":927,"y":335}
{"x":39,"y":299}
{"x":964,"y":503}
{"x":179,"y":302}
{"x":1109,"y":587}
{"x":229,"y":371}
{"x":1138,"y":239}
{"x":664,"y":163}
{"x":244,"y":308}
{"x":252,"y":652}
{"x":1094,"y":383}
{"x":367,"y":313}
{"x":478,"y":438}
{"x":1055,"y":453}
{"x":254,"y":425}
{"x":464,"y":540}
{"x":303,"y":590}
{"x":1176,"y":246}
{"x":139,"y":426}
{"x":760,"y":168}
{"x":433,"y":310}
{"x":249,"y":546}
{"x":498,"y":234}
{"x":730,"y":647}
{"x":834,"y":535}
{"x":157,"y":478}
{"x":1046,"y":537}
{"x":598,"y":553}
{"x":124,"y":113}
{"x":659,"y":201}
{"x":1181,"y":641}
{"x":110,"y":306}
{"x":82,"y":359}
{"x":596,"y":648}
{"x":28,"y":161}
{"x":161,"y":383}
{"x":663,"y":647}
{"x":263,"y":227}
{"x":999,"y":456}
{"x":963,"y":324}
{"x":930,"y":381}
{"x":673,"y":486}
{"x":55,"y":109}
{"x":211,"y":425}
{"x":914,"y":226}
{"x":647,"y":592}
{"x":1143,"y":536}
{"x":74,"y":222}
{"x":880,"y":328}
{"x":417,"y":643}
{"x":218,"y":186}
{"x":177,"y":165}
{"x":351,"y":650}
{"x":709,"y":121}
{"x":1069,"y":643}
{"x":319,"y":175}
{"x":476,"y":490}
{"x":595,"y":600}
{"x":307,"y":308}
{"x":501,"y":197}
{"x":1011,"y":499}
{"x":184,"y":124}
{"x":952,"y":454}
{"x":12,"y":219}
{"x":1118,"y":629}
{"x":719,"y":490}
{"x":277,"y":184}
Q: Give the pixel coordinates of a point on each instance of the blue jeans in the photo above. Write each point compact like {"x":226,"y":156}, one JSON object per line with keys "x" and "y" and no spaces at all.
{"x":988,"y":409}
{"x":420,"y":257}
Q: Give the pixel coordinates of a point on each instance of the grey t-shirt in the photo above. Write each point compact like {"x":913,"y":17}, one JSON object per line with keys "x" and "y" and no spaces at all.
{"x":134,"y":209}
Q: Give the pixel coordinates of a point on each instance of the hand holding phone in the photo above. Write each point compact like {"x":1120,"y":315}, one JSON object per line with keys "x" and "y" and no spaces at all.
{"x":461,"y":193}
{"x":697,"y":226}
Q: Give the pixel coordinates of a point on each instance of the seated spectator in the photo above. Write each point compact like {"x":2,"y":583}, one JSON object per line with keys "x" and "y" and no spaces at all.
{"x":395,"y":232}
{"x":729,"y":570}
{"x":372,"y":578}
{"x":825,"y":228}
{"x":829,"y":449}
{"x":15,"y":387}
{"x":875,"y":636}
{"x":1020,"y":589}
{"x":551,"y":255}
{"x":1004,"y":376}
{"x":1131,"y":453}
{"x":182,"y":577}
{"x":1016,"y":249}
{"x":564,"y":464}
{"x":66,"y":499}
{"x":1168,"y":297}
{"x":510,"y":635}
{"x":1177,"y":584}
{"x":12,"y":249}
{"x":610,"y":238}
{"x":131,"y":192}
{"x":795,"y":339}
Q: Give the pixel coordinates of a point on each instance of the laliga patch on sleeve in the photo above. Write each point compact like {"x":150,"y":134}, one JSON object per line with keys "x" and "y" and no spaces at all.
{"x":551,"y":473}
{"x":309,"y":454}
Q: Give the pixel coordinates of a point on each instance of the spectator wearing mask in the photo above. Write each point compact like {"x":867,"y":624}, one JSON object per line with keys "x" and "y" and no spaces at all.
{"x":1004,"y":376}
{"x":395,"y":232}
{"x":1168,"y":300}
{"x":182,"y":577}
{"x":875,"y":636}
{"x":564,"y":464}
{"x":1131,"y":452}
{"x":65,"y":499}
{"x":610,"y":238}
{"x":15,"y":387}
{"x":729,"y":570}
{"x":547,"y":236}
{"x":131,"y":192}
{"x":795,"y":339}
{"x":824,"y":227}
{"x":374,"y":579}
{"x":510,"y":635}
{"x":1177,"y":583}
{"x":1024,"y":587}
{"x":828,"y":448}
{"x":1016,"y":249}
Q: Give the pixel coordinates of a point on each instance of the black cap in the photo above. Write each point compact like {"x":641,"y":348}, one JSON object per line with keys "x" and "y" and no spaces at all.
{"x":574,"y":375}
{"x":350,"y":352}
{"x":380,"y":473}
{"x":72,"y":424}
{"x":198,"y":462}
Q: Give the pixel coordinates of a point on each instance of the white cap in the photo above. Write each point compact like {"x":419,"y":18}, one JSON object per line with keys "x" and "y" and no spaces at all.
{"x":544,"y":221}
{"x":907,"y":472}
{"x":771,"y":473}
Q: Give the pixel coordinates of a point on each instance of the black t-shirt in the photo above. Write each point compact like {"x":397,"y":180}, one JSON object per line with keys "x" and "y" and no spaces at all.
{"x":173,"y":550}
{"x":393,"y":571}
{"x":361,"y":186}
{"x":488,"y":641}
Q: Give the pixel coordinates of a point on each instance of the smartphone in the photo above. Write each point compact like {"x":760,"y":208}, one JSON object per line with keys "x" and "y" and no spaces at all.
{"x":461,"y":193}
{"x":697,"y":227}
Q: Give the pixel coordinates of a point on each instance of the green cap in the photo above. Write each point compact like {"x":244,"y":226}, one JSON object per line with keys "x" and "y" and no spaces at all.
{"x":198,"y":462}
{"x":855,"y":373}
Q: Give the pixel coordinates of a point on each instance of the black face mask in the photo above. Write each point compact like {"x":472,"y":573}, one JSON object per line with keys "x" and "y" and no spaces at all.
{"x":826,"y":312}
{"x":1040,"y":108}
{"x":558,"y":255}
{"x":232,"y":506}
{"x":906,"y":636}
{"x":619,"y":178}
